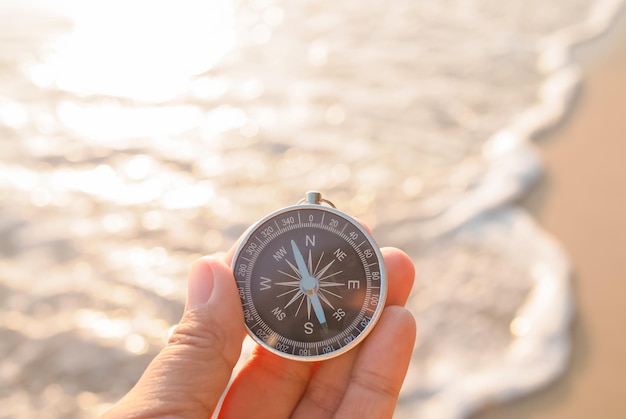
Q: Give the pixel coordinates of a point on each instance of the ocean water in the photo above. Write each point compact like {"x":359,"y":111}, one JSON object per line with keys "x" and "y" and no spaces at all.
{"x":137,"y":136}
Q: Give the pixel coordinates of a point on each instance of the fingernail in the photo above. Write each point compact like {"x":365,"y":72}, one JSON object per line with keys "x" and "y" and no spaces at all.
{"x":200,"y":285}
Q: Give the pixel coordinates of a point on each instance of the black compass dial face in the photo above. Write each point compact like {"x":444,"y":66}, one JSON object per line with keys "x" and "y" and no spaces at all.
{"x":311,"y":281}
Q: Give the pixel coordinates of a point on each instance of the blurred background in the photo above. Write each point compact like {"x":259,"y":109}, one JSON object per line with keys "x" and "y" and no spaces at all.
{"x":136,"y":136}
{"x":582,"y":202}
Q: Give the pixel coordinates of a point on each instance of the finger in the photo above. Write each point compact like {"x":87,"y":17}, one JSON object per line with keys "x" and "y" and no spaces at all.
{"x":268,"y":386}
{"x":328,"y":385}
{"x":380,"y":367}
{"x":189,"y":375}
{"x":400,"y":275}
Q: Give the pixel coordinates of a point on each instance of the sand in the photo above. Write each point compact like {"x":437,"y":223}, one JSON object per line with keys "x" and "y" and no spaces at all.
{"x":582,"y":202}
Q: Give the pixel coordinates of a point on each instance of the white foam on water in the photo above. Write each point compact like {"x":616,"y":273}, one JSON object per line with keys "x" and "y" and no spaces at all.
{"x":124,"y":156}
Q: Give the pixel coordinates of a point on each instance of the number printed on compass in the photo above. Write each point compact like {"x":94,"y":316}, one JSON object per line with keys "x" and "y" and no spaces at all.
{"x":311,"y":281}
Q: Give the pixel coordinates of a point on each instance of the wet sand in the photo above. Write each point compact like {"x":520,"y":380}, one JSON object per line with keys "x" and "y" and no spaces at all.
{"x":582,"y":202}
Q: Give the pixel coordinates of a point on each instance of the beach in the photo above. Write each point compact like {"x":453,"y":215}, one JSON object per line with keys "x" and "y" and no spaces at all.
{"x":582,"y":202}
{"x":450,"y":128}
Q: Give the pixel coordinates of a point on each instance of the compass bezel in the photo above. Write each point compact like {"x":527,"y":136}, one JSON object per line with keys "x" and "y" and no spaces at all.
{"x":243,"y":272}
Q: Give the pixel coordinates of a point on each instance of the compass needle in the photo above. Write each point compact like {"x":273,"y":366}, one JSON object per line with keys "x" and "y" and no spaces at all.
{"x":318,"y":309}
{"x":296,"y":270}
{"x":301,"y":269}
{"x":314,"y":286}
{"x":324,"y":299}
{"x":309,"y":285}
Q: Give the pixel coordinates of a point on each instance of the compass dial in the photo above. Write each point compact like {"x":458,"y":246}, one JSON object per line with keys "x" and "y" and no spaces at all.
{"x":311,"y":280}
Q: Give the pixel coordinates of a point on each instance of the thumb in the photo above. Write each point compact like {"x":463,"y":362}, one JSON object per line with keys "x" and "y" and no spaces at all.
{"x":187,"y":378}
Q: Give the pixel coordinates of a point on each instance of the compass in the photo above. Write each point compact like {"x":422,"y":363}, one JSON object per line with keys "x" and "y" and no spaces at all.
{"x":311,"y":279}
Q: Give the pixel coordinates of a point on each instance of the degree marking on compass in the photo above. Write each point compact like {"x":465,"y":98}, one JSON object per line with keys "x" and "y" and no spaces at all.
{"x":277,"y":226}
{"x":299,"y":220}
{"x":344,"y":227}
{"x":361,"y":244}
{"x":260,"y":241}
{"x":322,"y":222}
{"x":372,"y":264}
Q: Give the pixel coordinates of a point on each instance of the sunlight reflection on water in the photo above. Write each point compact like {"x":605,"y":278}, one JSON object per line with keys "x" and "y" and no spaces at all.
{"x":137,"y":136}
{"x":144,"y":50}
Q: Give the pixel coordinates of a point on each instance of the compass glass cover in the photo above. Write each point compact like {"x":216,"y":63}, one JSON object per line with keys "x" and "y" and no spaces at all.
{"x":311,"y":280}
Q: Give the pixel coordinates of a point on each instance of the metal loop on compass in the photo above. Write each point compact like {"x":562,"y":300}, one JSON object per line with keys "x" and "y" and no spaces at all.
{"x":315,"y":197}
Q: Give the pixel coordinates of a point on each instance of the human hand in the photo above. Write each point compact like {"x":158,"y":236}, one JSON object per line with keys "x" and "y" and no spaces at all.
{"x":188,"y":377}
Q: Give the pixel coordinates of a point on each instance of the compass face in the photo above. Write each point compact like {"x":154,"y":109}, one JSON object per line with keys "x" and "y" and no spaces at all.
{"x":311,"y":280}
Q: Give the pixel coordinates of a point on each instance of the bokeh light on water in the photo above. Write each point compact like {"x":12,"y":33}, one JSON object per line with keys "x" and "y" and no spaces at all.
{"x":141,"y":50}
{"x":137,"y":136}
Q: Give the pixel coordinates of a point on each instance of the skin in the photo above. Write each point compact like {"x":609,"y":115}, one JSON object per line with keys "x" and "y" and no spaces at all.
{"x":188,"y":377}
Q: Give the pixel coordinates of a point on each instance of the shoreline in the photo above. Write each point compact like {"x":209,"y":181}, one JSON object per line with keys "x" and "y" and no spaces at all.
{"x":581,"y":202}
